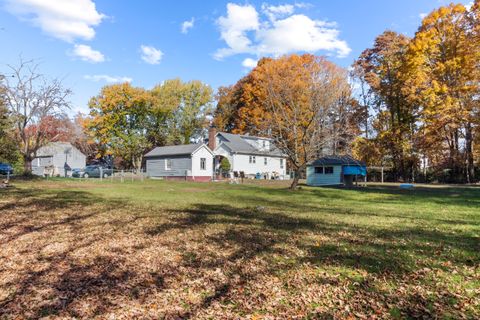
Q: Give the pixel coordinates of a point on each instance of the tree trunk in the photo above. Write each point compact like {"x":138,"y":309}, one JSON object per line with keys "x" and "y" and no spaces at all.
{"x":294,"y":184}
{"x":27,"y":165}
{"x":469,"y":154}
{"x":296,"y":178}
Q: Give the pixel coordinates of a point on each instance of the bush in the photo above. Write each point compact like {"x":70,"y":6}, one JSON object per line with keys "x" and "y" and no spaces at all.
{"x":225,"y":165}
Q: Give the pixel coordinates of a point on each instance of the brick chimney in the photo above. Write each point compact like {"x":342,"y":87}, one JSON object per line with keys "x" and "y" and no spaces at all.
{"x":212,"y":141}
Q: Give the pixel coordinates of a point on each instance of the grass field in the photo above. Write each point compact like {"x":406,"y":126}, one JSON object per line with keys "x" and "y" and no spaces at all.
{"x":169,"y":250}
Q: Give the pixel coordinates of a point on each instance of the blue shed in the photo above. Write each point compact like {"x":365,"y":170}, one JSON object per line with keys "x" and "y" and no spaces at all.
{"x":335,"y":170}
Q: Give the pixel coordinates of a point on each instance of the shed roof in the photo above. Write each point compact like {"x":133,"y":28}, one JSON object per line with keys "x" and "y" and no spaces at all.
{"x":182,"y":149}
{"x":337,"y":160}
{"x":237,"y":144}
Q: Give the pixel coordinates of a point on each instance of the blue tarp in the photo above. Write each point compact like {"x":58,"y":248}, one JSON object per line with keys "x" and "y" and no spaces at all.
{"x":355,"y":170}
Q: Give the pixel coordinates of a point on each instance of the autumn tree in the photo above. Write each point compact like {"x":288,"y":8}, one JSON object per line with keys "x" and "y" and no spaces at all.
{"x":8,"y":147}
{"x":240,"y":107}
{"x":474,"y":19}
{"x":180,"y":111}
{"x":5,"y":123}
{"x":167,"y":98}
{"x":80,"y":138}
{"x":225,"y":114}
{"x":365,"y":99}
{"x":191,"y":118}
{"x":302,"y":102}
{"x":119,"y":121}
{"x":382,"y":68}
{"x":33,"y":102}
{"x":443,"y":79}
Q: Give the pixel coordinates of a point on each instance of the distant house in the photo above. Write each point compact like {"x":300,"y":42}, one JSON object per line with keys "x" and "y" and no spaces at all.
{"x":335,"y":170}
{"x":248,"y":154}
{"x":51,"y":159}
{"x":192,"y":162}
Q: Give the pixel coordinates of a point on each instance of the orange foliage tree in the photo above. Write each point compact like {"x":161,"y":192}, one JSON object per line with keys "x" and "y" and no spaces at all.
{"x":302,"y":102}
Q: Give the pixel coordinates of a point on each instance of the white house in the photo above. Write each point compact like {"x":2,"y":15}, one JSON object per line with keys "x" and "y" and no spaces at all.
{"x":248,"y":154}
{"x":199,"y":162}
{"x":51,"y":159}
{"x":193,"y":162}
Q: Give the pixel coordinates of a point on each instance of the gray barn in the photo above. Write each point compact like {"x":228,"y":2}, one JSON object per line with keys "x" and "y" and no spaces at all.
{"x":51,"y":159}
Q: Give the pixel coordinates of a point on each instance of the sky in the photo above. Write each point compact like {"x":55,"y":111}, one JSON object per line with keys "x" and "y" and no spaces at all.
{"x":92,"y":43}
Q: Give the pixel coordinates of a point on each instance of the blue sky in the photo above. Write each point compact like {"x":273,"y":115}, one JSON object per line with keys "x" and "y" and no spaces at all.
{"x":91,"y":43}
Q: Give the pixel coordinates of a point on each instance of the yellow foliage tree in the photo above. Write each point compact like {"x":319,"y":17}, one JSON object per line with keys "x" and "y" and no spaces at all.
{"x":119,"y":121}
{"x":441,"y":77}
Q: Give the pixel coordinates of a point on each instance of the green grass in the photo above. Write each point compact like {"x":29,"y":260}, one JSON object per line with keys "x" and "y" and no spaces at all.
{"x":249,"y":250}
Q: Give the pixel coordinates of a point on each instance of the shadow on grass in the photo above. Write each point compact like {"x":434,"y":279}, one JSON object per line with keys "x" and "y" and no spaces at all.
{"x":366,"y":248}
{"x":385,"y":253}
{"x":244,"y":235}
{"x":458,"y":196}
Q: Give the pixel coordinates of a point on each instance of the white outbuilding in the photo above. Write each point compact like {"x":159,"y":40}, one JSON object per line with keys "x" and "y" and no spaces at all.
{"x":53,"y":158}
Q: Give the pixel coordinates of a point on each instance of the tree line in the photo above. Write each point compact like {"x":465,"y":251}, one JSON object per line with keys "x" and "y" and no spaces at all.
{"x":407,"y":104}
{"x":421,"y":98}
{"x":123,"y":121}
{"x":127,"y":121}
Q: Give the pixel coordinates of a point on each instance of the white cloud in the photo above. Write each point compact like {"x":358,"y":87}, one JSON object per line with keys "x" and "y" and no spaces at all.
{"x":234,"y":27}
{"x":275,"y":12}
{"x":469,"y":5}
{"x":107,"y":78}
{"x":67,"y":19}
{"x":86,"y":53}
{"x":423,"y":15}
{"x":283,"y":32}
{"x":186,"y":25}
{"x":300,"y":33}
{"x":151,"y":55}
{"x":249,"y":63}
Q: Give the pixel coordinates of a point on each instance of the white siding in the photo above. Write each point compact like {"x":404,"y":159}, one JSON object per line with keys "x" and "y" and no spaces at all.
{"x":241,"y":162}
{"x":75,"y":159}
{"x":56,"y":157}
{"x":203,"y":152}
{"x":225,"y":152}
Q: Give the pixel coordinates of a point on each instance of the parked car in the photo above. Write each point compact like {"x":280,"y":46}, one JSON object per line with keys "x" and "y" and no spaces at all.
{"x":5,"y":169}
{"x":77,"y":172}
{"x":93,"y":171}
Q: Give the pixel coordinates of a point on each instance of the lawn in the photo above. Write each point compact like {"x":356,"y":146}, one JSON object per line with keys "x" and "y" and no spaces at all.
{"x":158,"y":249}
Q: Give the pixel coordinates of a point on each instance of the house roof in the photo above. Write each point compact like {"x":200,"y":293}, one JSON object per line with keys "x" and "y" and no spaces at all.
{"x":174,"y":150}
{"x":237,"y":144}
{"x":337,"y":160}
{"x":54,"y":148}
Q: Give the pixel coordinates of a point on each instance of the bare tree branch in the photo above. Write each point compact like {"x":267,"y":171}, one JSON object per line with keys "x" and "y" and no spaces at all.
{"x":31,"y":98}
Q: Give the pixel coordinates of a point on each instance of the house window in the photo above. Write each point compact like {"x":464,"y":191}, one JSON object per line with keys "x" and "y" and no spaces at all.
{"x":168,"y":164}
{"x":281,"y":163}
{"x":318,"y":170}
{"x":252,"y":159}
{"x":265,"y":161}
{"x":264,"y":144}
{"x":203,"y":164}
{"x":328,"y":170}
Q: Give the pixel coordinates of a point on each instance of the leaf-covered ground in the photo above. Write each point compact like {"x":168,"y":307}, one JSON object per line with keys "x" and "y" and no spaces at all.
{"x":165,"y":250}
